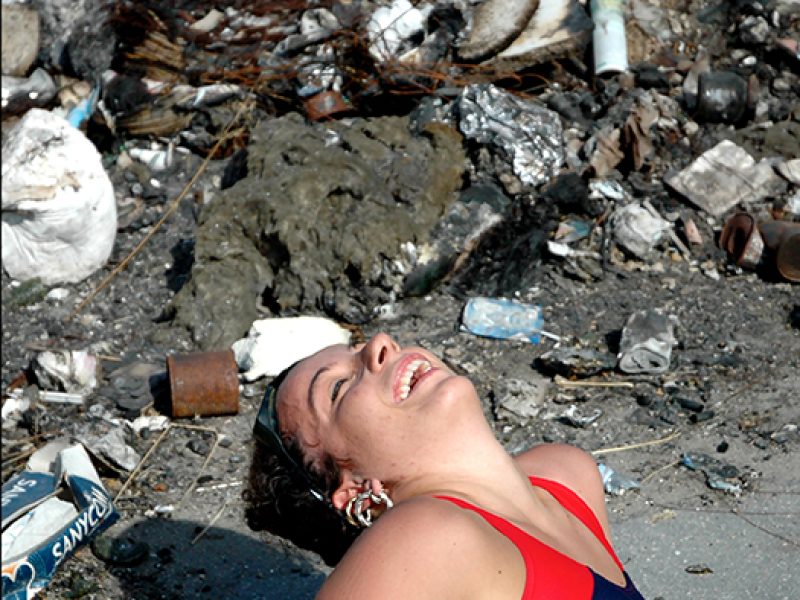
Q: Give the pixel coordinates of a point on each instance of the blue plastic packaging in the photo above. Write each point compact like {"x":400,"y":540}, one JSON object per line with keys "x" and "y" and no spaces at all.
{"x":501,"y":318}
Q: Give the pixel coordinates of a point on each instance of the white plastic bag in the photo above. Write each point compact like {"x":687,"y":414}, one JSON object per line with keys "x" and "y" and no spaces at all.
{"x":59,"y":210}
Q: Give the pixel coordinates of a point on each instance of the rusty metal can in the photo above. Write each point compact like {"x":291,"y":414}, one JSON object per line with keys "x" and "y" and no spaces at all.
{"x":741,"y":239}
{"x":788,"y":258}
{"x":326,"y":104}
{"x":203,"y":383}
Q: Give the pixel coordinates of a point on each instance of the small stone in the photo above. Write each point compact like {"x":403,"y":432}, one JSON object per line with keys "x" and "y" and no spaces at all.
{"x":198,"y":446}
{"x":120,"y":552}
{"x":701,"y":569}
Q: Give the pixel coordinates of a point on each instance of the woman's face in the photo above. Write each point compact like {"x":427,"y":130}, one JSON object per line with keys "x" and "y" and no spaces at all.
{"x":379,"y":410}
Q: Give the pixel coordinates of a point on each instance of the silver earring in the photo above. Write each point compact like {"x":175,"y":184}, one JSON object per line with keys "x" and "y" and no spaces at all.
{"x":362,"y":516}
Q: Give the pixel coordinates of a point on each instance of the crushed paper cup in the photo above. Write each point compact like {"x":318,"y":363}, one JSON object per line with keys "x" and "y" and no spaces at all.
{"x":40,"y":530}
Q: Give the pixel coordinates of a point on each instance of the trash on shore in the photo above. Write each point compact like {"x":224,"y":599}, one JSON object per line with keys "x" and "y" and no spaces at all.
{"x":59,"y":209}
{"x":646,"y":343}
{"x":272,"y":345}
{"x":503,"y":319}
{"x":616,"y":483}
{"x":40,"y":530}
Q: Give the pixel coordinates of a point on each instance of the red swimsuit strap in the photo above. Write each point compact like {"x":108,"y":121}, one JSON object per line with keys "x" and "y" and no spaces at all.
{"x":578,"y":507}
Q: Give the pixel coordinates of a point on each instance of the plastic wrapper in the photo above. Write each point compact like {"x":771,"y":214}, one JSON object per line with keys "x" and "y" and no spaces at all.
{"x":272,"y":345}
{"x":503,"y":319}
{"x":615,"y":483}
{"x":40,"y":530}
{"x":528,"y":133}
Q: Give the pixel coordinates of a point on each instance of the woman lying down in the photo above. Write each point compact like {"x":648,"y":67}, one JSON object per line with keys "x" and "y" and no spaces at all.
{"x":389,"y":442}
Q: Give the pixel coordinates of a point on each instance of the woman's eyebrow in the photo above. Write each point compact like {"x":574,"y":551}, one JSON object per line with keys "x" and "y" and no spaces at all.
{"x":312,"y":383}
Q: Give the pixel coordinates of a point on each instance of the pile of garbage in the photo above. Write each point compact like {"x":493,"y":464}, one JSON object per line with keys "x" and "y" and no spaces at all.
{"x":365,"y":153}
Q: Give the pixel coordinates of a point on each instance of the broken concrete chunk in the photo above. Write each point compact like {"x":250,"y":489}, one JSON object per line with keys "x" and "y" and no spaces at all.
{"x":723,"y":177}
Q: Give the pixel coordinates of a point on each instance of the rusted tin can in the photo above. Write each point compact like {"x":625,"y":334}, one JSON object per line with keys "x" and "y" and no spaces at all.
{"x":788,"y":258}
{"x":203,"y":383}
{"x":326,"y":104}
{"x":742,"y":240}
{"x":750,"y":244}
{"x":782,"y":238}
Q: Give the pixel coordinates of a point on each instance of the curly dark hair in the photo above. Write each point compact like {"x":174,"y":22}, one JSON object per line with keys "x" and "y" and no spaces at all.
{"x":278,"y":499}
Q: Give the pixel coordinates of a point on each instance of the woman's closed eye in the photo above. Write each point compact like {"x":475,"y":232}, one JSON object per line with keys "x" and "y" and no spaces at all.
{"x":336,"y":389}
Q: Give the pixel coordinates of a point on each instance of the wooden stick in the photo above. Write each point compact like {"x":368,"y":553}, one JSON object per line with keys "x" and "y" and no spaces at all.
{"x":211,"y":523}
{"x":564,"y":382}
{"x":663,"y":440}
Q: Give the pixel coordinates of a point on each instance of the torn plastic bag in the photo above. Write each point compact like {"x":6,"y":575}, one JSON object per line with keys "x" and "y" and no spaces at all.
{"x":43,"y":530}
{"x":59,"y":209}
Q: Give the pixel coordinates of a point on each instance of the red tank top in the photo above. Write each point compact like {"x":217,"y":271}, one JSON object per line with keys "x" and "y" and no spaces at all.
{"x":552,"y":575}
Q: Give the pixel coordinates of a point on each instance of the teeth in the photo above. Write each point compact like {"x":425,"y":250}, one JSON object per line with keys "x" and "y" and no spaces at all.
{"x":408,"y":376}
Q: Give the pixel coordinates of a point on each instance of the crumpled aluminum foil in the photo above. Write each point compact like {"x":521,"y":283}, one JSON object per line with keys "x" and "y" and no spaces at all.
{"x":530,"y":134}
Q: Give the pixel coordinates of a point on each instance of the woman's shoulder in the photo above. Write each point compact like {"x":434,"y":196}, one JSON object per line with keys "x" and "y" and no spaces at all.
{"x":571,"y":467}
{"x":424,"y":547}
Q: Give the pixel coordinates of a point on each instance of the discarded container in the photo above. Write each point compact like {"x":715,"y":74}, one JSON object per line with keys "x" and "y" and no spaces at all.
{"x":503,"y":319}
{"x":203,"y":383}
{"x":750,"y":244}
{"x":40,"y":529}
{"x":646,"y":343}
{"x":741,"y":239}
{"x":722,"y":97}
{"x":608,"y":39}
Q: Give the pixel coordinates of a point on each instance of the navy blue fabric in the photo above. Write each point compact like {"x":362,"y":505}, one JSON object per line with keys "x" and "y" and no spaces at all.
{"x":607,"y":590}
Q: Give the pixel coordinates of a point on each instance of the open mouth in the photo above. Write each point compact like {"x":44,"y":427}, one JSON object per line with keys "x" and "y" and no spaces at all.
{"x":410,"y":376}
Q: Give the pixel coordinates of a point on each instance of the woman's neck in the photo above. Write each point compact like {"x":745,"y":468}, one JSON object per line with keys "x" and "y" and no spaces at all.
{"x":480,"y":472}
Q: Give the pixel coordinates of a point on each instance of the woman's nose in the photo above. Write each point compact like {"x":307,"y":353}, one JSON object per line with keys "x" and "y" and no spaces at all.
{"x":378,"y":350}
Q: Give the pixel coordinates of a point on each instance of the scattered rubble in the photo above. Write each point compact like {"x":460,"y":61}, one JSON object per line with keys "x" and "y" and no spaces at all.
{"x":597,"y":223}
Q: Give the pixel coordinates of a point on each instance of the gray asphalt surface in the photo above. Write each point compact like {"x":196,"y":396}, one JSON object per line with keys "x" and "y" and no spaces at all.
{"x":751,"y":555}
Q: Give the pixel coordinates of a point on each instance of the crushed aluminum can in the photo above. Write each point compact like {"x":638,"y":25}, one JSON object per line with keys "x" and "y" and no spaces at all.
{"x":501,"y":318}
{"x":40,"y":530}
